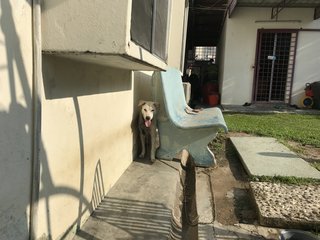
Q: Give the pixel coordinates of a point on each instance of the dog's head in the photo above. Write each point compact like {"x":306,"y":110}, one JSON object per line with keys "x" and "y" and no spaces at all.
{"x":148,"y":111}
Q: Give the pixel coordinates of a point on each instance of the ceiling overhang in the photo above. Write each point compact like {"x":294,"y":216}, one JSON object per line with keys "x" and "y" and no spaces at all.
{"x":205,"y":21}
{"x":276,"y":5}
{"x":206,"y":17}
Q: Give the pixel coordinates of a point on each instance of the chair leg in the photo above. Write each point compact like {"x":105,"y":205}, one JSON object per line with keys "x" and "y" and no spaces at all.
{"x":203,"y":156}
{"x":173,"y":140}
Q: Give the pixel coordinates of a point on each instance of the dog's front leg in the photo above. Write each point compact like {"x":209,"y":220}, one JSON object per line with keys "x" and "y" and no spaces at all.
{"x":154,"y":146}
{"x":153,"y":151}
{"x":143,"y":144}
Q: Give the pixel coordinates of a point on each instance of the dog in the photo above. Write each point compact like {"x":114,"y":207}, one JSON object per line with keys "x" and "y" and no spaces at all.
{"x":148,"y":129}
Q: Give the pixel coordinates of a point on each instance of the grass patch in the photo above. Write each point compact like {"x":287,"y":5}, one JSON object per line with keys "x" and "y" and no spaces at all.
{"x":300,"y":128}
{"x":316,"y":165}
{"x":285,"y":180}
{"x":218,"y":143}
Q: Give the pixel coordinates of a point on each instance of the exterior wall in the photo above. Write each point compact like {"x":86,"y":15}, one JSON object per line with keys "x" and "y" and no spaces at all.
{"x":82,"y":26}
{"x":176,"y":32}
{"x":240,"y":49}
{"x":15,"y":117}
{"x":87,"y":140}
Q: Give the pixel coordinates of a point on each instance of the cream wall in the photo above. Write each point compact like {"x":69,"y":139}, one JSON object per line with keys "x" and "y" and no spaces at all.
{"x":87,"y":139}
{"x":82,"y":26}
{"x":176,"y":31}
{"x":240,"y":45}
{"x":15,"y":117}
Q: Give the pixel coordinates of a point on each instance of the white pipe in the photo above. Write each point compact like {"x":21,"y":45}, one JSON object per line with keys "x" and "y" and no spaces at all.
{"x":36,"y":115}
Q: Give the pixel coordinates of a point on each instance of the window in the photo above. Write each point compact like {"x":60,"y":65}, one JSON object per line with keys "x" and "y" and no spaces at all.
{"x":149,"y":23}
{"x":205,"y":53}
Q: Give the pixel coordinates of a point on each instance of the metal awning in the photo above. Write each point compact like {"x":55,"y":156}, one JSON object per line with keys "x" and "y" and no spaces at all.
{"x":276,"y":5}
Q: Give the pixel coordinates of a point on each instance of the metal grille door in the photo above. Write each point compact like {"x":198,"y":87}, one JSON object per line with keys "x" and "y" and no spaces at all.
{"x":275,"y":62}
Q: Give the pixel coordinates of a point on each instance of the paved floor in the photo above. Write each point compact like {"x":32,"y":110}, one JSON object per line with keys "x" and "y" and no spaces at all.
{"x":140,"y":204}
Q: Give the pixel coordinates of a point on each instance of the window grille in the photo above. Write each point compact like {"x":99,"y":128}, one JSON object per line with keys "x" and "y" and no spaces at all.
{"x":205,"y":53}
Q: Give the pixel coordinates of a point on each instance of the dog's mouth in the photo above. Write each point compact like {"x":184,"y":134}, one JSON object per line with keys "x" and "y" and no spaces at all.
{"x":147,"y":123}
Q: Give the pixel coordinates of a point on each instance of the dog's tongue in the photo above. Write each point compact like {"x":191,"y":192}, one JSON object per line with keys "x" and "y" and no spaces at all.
{"x":147,"y":123}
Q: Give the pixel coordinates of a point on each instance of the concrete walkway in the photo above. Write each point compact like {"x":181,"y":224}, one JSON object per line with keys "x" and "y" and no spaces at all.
{"x":142,"y":203}
{"x":138,"y":206}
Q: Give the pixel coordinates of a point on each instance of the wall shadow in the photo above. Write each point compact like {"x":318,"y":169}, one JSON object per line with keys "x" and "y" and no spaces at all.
{"x":64,"y":77}
{"x":98,"y":192}
{"x":15,"y":129}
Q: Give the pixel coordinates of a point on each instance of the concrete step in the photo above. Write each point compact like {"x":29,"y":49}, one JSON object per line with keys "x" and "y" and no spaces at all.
{"x":264,"y":156}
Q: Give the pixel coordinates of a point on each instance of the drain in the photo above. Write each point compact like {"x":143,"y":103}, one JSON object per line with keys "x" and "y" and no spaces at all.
{"x":185,"y":216}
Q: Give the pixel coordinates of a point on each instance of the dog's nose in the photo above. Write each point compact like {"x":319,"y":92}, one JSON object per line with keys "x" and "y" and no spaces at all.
{"x":147,"y":118}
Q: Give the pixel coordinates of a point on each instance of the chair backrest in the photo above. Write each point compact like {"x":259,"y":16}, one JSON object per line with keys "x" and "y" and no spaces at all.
{"x":173,"y":93}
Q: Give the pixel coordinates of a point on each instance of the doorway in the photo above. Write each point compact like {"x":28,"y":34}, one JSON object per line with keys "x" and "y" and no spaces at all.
{"x":274,"y":65}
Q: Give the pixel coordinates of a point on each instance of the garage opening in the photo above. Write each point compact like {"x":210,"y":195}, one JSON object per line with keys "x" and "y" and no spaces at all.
{"x":205,"y":22}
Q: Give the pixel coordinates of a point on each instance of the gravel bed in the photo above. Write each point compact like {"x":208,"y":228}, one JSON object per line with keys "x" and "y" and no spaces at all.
{"x":288,"y":206}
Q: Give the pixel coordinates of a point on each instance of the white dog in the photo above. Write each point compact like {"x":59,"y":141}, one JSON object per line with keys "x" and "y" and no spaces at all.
{"x":148,"y":129}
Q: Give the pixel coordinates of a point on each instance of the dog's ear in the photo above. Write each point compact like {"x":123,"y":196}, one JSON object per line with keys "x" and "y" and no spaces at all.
{"x":156,"y":105}
{"x":141,"y":102}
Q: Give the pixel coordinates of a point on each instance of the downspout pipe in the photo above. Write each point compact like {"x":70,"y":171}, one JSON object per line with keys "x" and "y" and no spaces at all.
{"x":36,"y":116}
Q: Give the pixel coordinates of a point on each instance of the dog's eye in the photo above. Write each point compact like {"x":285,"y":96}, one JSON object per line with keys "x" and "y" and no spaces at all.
{"x":152,"y":110}
{"x":145,"y":110}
